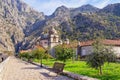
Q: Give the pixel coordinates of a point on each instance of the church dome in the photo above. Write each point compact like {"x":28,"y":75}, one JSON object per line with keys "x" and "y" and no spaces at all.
{"x":44,"y":35}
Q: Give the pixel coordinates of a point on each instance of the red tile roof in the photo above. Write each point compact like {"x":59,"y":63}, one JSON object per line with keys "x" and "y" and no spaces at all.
{"x":24,"y":51}
{"x":35,"y":47}
{"x":40,"y":47}
{"x":106,"y":42}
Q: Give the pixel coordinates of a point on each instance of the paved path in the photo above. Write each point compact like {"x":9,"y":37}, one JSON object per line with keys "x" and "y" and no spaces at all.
{"x":20,"y":70}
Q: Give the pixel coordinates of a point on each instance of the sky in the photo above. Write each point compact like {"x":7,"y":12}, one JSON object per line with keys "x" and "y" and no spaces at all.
{"x":49,"y":6}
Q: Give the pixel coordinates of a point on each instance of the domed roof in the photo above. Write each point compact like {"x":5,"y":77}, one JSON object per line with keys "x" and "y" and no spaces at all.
{"x":44,"y":35}
{"x":52,"y":31}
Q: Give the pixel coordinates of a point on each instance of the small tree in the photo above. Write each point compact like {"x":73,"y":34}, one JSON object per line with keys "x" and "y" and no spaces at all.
{"x":47,"y":55}
{"x":73,"y":56}
{"x":39,"y":54}
{"x":26,"y":56}
{"x":63,"y":53}
{"x":30,"y":56}
{"x":100,"y":55}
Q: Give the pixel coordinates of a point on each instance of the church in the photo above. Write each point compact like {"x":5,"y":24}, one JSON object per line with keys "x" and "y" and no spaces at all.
{"x":50,"y":39}
{"x":47,"y":41}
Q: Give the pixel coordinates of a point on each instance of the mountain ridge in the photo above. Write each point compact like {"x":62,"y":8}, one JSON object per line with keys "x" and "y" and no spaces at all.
{"x":23,"y":25}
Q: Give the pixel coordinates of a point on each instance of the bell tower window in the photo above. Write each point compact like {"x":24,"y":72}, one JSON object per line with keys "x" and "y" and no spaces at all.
{"x":54,"y":39}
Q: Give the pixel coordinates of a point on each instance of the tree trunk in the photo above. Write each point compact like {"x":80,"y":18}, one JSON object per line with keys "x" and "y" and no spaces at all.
{"x":41,"y":63}
{"x":100,"y":70}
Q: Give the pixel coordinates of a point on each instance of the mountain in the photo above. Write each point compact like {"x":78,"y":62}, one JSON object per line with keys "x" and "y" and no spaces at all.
{"x":81,"y":23}
{"x":84,"y":9}
{"x":61,"y":14}
{"x":63,"y":17}
{"x":112,"y":8}
{"x":17,"y":11}
{"x":21,"y":26}
{"x":61,"y":11}
{"x":16,"y":19}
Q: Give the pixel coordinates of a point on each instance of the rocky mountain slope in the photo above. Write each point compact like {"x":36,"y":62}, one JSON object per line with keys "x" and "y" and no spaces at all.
{"x":86,"y":21}
{"x":21,"y":26}
{"x":112,"y":9}
{"x":16,"y":19}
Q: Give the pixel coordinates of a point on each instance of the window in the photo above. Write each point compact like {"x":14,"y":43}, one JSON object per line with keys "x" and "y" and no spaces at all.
{"x":54,"y":39}
{"x":46,"y":42}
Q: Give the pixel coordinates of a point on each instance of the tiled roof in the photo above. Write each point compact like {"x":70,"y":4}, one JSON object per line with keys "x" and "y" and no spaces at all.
{"x":24,"y":51}
{"x":40,"y":47}
{"x":89,"y":43}
{"x":71,"y":45}
{"x":105,"y":42}
{"x":35,"y":47}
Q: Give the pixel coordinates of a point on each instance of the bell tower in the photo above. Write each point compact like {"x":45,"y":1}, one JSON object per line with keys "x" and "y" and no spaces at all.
{"x":53,"y":37}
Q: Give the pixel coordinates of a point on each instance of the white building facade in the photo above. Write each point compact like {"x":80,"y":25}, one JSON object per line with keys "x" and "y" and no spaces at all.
{"x":86,"y":48}
{"x":50,"y":39}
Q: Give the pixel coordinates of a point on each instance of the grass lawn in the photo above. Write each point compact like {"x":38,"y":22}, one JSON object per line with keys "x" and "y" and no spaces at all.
{"x":111,"y":71}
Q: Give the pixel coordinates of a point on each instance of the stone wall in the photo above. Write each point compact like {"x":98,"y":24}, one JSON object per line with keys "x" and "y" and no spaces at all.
{"x":116,"y":49}
{"x":77,"y":76}
{"x":88,"y":50}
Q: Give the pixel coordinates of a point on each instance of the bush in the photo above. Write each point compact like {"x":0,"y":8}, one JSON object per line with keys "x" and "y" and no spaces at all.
{"x":26,"y":56}
{"x":47,"y":56}
{"x":63,"y":53}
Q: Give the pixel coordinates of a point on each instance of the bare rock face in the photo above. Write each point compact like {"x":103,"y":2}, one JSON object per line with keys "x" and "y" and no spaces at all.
{"x":16,"y":18}
{"x":6,"y":43}
{"x":19,"y":13}
{"x":10,"y":35}
{"x":61,"y":14}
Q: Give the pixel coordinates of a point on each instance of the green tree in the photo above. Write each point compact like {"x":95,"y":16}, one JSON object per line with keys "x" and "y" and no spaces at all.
{"x":47,"y":55}
{"x":26,"y":56}
{"x":30,"y":56}
{"x":100,"y":55}
{"x":63,"y":53}
{"x":39,"y":54}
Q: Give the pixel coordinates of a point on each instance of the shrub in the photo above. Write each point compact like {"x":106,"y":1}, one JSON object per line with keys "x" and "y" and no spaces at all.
{"x":63,"y":53}
{"x":39,"y":54}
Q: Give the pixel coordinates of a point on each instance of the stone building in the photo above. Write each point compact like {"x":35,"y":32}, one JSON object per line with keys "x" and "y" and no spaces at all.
{"x":50,"y":39}
{"x":85,"y":48}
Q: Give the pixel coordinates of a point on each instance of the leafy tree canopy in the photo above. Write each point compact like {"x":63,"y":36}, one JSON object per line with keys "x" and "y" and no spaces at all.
{"x":100,"y":55}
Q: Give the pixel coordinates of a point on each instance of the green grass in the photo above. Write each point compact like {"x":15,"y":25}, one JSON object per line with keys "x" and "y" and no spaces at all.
{"x":111,"y":71}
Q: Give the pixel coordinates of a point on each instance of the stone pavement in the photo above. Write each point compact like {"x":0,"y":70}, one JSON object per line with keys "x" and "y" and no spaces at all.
{"x":20,"y":70}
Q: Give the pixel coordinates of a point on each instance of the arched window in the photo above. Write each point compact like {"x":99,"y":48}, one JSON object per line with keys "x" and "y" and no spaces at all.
{"x":54,"y":39}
